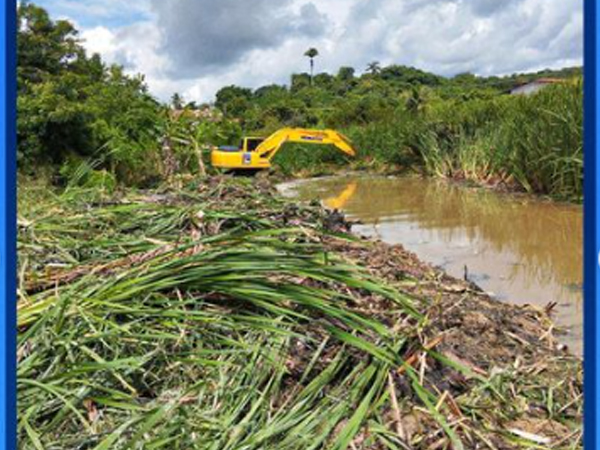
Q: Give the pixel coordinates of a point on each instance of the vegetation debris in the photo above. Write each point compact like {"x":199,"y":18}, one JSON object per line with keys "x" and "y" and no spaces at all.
{"x":221,"y":315}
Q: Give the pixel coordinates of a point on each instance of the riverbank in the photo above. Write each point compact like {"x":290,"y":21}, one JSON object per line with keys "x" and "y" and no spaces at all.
{"x":520,"y":249}
{"x":224,"y":314}
{"x":494,"y":184}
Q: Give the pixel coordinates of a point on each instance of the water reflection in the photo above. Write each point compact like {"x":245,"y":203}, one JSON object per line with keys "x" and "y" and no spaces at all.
{"x":523,"y":250}
{"x":339,"y":201}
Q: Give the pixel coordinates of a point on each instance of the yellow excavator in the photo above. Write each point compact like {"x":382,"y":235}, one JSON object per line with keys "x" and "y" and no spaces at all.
{"x":257,"y":153}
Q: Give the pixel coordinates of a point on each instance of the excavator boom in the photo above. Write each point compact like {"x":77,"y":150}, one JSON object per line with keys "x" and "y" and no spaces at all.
{"x":253,"y":156}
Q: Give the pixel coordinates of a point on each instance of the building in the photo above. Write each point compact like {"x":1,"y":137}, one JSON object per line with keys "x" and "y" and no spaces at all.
{"x":204,"y":112}
{"x":534,"y":86}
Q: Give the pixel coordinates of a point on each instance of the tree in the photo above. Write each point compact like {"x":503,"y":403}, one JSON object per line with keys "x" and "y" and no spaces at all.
{"x":346,"y":73}
{"x":323,"y":80}
{"x":300,"y":81}
{"x":404,"y":75}
{"x":269,"y":91}
{"x":311,"y":53}
{"x":177,"y":101}
{"x":187,"y":141}
{"x":374,"y":68}
{"x":72,"y":107}
{"x":465,"y":78}
{"x":233,"y":100}
{"x":44,"y":47}
{"x":344,"y":80}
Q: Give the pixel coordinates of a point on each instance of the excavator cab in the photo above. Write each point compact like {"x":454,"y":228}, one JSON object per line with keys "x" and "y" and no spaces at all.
{"x":256,"y":152}
{"x":243,"y":156}
{"x":249,"y":144}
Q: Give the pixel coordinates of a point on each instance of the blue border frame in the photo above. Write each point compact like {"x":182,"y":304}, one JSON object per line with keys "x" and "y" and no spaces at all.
{"x":590,"y":208}
{"x":8,"y":169}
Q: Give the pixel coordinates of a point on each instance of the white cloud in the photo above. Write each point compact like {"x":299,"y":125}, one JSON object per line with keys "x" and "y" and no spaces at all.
{"x":100,"y":40}
{"x":136,"y":47}
{"x":197,"y":47}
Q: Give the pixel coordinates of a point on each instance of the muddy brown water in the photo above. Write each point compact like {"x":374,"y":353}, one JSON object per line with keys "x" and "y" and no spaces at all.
{"x":519,"y":249}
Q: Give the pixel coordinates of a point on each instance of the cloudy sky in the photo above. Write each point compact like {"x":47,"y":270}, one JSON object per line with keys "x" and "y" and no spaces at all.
{"x":194,"y":47}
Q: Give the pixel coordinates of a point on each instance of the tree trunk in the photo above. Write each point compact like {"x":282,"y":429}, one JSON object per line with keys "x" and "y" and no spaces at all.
{"x":201,"y":167}
{"x":170,"y":165}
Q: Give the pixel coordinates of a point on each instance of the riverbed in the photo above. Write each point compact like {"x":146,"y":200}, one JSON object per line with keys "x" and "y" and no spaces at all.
{"x":518,"y":248}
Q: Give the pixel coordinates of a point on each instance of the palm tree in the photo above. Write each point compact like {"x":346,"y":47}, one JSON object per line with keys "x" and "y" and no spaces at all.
{"x":311,"y":53}
{"x":374,"y":68}
{"x":177,"y":101}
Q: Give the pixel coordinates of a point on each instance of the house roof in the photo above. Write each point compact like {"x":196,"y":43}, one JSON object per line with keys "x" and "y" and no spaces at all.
{"x":537,"y":81}
{"x":547,"y":80}
{"x":541,"y":81}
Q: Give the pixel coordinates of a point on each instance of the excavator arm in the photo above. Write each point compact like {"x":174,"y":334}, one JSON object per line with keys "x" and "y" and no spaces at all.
{"x":271,"y":145}
{"x":260,"y":157}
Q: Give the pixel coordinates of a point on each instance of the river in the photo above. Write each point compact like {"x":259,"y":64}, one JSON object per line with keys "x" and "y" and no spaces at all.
{"x":520,"y":249}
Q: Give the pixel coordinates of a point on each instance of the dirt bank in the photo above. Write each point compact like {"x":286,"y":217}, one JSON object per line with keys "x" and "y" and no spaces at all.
{"x":505,"y":344}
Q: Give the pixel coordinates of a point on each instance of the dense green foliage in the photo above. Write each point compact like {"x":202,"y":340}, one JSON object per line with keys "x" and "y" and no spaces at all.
{"x":344,"y":99}
{"x":74,"y":111}
{"x":77,"y":112}
{"x":71,"y":105}
{"x":401,"y":117}
{"x":533,"y":142}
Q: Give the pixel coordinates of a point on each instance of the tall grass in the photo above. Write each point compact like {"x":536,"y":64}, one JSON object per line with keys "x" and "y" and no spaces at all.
{"x":314,"y":160}
{"x":541,"y":141}
{"x":533,"y":143}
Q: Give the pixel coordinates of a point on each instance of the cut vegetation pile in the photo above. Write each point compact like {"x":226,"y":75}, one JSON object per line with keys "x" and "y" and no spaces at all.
{"x":221,"y":316}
